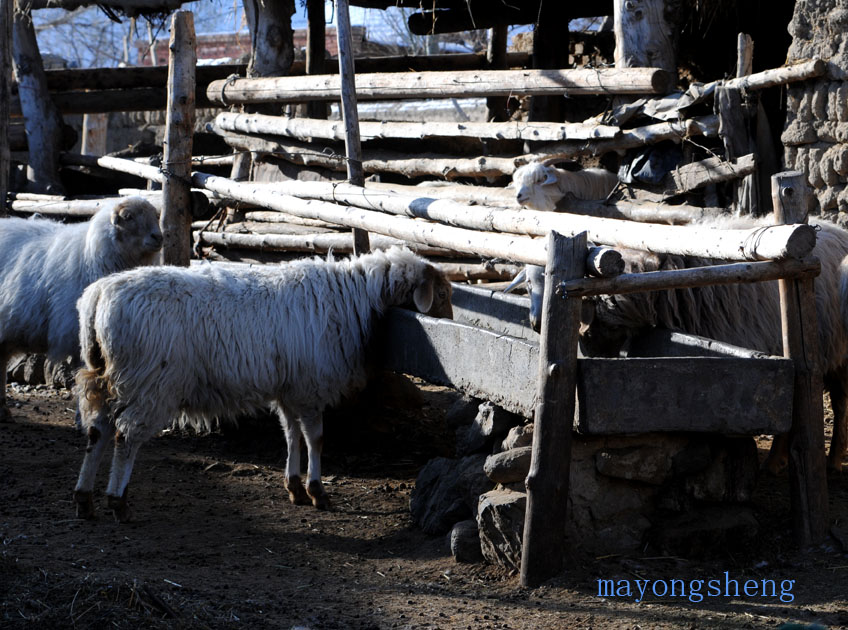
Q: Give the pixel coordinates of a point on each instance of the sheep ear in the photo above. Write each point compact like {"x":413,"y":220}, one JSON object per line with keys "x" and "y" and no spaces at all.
{"x":117,"y":216}
{"x":550,"y":176}
{"x":423,"y":295}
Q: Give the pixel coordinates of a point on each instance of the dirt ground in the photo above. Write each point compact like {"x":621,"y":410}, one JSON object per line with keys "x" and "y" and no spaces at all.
{"x":215,"y":543}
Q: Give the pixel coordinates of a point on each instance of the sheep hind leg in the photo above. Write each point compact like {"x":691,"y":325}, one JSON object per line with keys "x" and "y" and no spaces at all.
{"x":5,"y":414}
{"x":837,"y":385}
{"x":293,"y":483}
{"x":119,"y":478}
{"x":313,"y":431}
{"x":99,"y":433}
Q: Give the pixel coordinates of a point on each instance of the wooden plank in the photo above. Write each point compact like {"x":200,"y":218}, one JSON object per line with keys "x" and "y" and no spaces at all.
{"x":179,"y":132}
{"x":544,"y":542}
{"x":704,"y":395}
{"x":712,"y":170}
{"x":459,"y":84}
{"x":807,"y":473}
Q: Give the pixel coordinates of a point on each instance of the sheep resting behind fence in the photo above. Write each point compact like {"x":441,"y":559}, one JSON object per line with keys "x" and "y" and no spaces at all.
{"x":164,"y":344}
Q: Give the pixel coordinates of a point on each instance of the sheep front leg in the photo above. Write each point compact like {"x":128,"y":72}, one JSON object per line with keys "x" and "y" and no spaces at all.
{"x":119,"y":478}
{"x":837,"y":385}
{"x":99,"y":433}
{"x":313,"y":431}
{"x":293,"y":483}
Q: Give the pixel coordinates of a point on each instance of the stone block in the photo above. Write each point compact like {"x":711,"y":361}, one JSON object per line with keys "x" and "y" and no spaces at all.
{"x":465,"y":542}
{"x":500,"y":521}
{"x":509,"y":466}
{"x":518,"y":436}
{"x":706,"y":531}
{"x":27,"y":369}
{"x":446,"y":492}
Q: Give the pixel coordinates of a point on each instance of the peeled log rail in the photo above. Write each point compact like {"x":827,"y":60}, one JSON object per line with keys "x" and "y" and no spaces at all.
{"x":694,"y":277}
{"x":633,"y":138}
{"x":307,"y":129}
{"x":314,"y":243}
{"x":451,"y":167}
{"x":776,"y":76}
{"x":447,"y":166}
{"x":765,"y":243}
{"x":510,"y":247}
{"x":465,"y":83}
{"x":631,"y":210}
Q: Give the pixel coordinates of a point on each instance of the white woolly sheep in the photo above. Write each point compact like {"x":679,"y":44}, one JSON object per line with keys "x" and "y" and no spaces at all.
{"x":539,"y":186}
{"x":746,"y":315}
{"x":165,"y":343}
{"x":45,"y":266}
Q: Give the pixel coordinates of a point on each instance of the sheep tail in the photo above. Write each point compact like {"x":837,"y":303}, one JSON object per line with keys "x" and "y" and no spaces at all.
{"x":92,"y":387}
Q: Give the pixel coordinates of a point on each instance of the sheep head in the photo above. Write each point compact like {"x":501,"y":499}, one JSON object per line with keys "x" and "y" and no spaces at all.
{"x":536,"y":186}
{"x":136,"y":225}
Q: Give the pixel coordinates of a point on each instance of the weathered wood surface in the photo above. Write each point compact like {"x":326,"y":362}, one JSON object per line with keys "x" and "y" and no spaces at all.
{"x":311,"y":243}
{"x":733,"y":273}
{"x":736,"y":396}
{"x":807,"y":474}
{"x":759,"y":244}
{"x":505,"y":246}
{"x":179,"y":133}
{"x":769,"y":243}
{"x":155,"y":76}
{"x":307,"y":129}
{"x":447,"y":166}
{"x":675,"y":131}
{"x":778,"y":76}
{"x":496,"y":106}
{"x":712,"y":170}
{"x":632,"y":210}
{"x":350,"y":115}
{"x":6,"y":18}
{"x":42,"y":120}
{"x":459,"y":84}
{"x":95,"y":129}
{"x":316,"y":38}
{"x":643,"y":35}
{"x":544,"y":542}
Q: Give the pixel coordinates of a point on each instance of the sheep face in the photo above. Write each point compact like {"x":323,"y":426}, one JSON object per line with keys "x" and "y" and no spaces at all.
{"x":136,"y":225}
{"x":433,"y":295}
{"x":536,"y":186}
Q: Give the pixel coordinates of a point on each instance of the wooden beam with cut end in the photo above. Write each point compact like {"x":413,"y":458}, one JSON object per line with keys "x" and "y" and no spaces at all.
{"x":307,"y":129}
{"x":712,"y":170}
{"x":600,"y":81}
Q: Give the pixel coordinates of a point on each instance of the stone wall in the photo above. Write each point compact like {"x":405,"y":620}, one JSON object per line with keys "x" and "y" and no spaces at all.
{"x":816,"y":133}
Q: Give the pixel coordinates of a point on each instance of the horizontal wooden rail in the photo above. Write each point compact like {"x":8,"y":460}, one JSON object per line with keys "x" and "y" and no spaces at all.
{"x":695,"y":277}
{"x":307,"y":129}
{"x":764,"y":243}
{"x":467,"y":83}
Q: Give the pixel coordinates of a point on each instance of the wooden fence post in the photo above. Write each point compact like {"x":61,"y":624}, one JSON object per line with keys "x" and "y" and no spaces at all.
{"x":179,"y":130}
{"x":807,"y":473}
{"x":95,"y":129}
{"x":6,"y":17}
{"x":42,"y":119}
{"x":350,"y":115}
{"x":544,"y":541}
{"x":316,"y":46}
